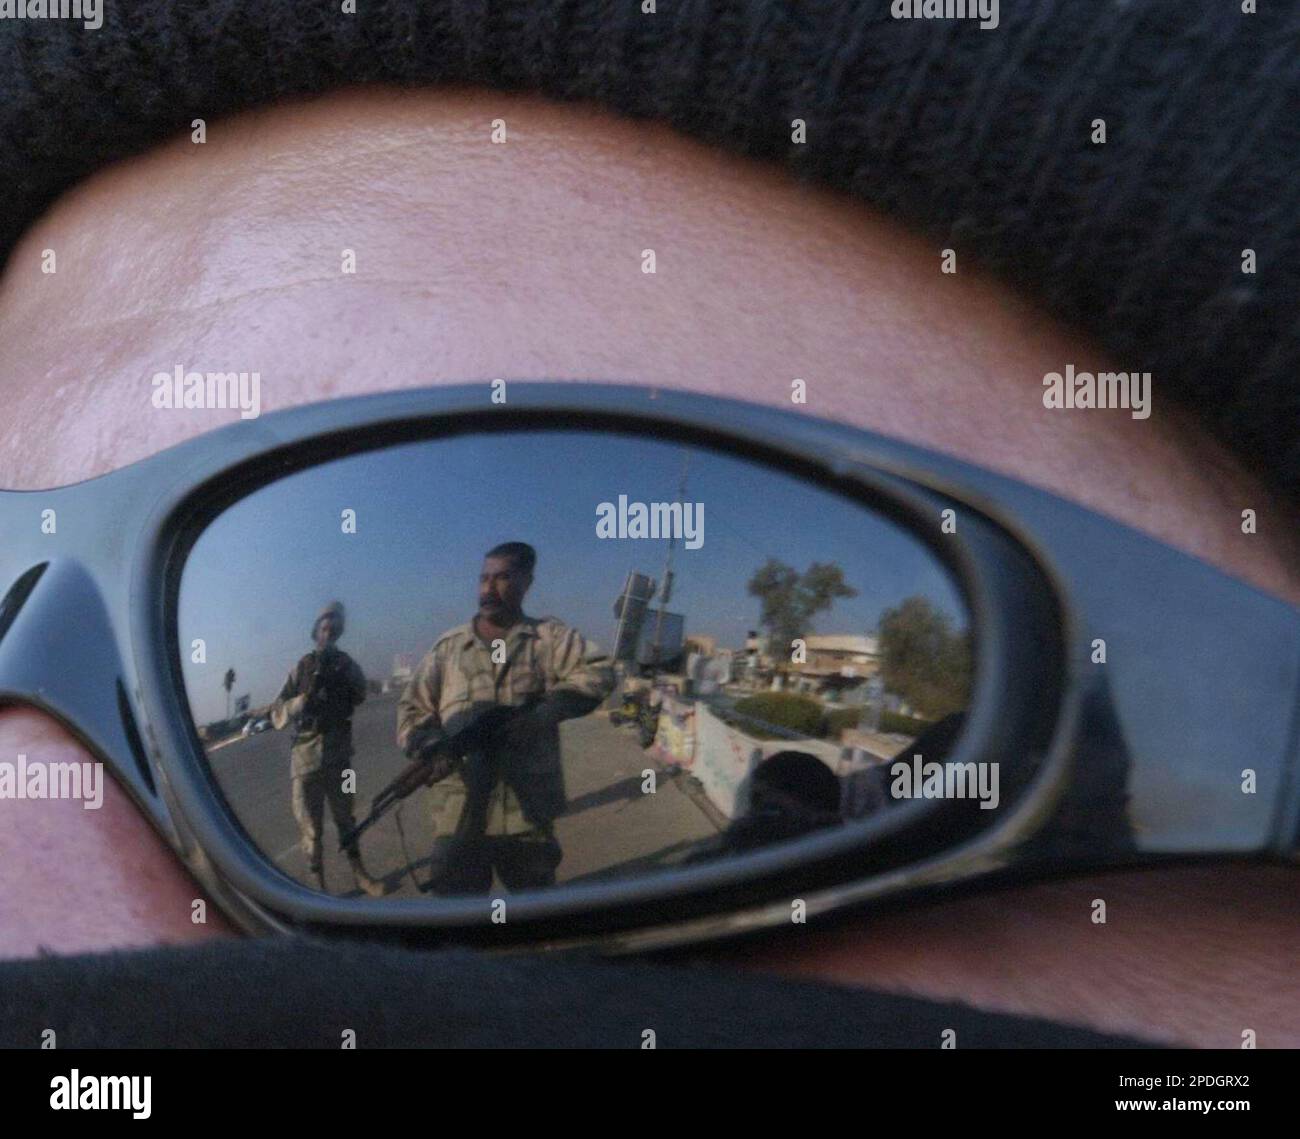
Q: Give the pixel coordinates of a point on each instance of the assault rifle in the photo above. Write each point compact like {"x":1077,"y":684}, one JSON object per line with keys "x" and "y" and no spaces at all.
{"x":434,"y":755}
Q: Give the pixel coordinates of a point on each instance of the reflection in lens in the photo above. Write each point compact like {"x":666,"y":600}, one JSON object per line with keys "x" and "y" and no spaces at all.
{"x":509,"y":661}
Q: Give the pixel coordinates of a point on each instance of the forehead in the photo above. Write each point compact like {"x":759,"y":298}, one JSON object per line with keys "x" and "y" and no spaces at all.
{"x":371,"y":240}
{"x":494,"y":567}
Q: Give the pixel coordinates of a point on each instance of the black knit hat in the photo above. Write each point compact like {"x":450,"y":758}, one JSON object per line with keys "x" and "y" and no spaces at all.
{"x":984,"y":138}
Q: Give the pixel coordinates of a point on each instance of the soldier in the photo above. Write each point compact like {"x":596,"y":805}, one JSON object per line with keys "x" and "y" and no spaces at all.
{"x":498,"y":810}
{"x":318,"y":698}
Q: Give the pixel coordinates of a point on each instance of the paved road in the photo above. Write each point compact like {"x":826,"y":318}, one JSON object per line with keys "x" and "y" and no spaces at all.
{"x":611,"y":827}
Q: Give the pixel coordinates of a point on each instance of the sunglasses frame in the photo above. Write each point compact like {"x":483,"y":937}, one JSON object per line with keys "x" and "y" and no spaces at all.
{"x":1135,"y":761}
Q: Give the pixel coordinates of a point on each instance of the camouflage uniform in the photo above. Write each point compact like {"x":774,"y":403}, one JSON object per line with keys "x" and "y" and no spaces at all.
{"x":322,"y":744}
{"x":498,"y":810}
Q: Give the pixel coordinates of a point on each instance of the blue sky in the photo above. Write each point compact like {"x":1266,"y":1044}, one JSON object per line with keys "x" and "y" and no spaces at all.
{"x":427,"y":512}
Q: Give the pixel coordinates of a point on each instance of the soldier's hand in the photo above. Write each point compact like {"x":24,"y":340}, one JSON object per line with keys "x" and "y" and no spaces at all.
{"x":437,"y":759}
{"x":422,"y":742}
{"x":440,"y":766}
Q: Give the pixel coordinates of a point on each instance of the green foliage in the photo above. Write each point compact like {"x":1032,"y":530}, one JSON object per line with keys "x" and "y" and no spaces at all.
{"x":809,"y":717}
{"x":924,"y":659}
{"x":837,"y":719}
{"x":890,"y":722}
{"x":899,"y":724}
{"x":791,"y":600}
{"x":790,"y":710}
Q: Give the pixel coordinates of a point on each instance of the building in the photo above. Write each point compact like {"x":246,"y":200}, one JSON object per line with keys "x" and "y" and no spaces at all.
{"x":841,"y":654}
{"x":833,"y":664}
{"x":702,"y":644}
{"x":403,"y":670}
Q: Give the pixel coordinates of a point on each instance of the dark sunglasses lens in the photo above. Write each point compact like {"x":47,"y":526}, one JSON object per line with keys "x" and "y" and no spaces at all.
{"x":544,"y":658}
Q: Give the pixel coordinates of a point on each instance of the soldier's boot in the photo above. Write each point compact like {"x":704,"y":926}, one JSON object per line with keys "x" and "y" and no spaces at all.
{"x":318,"y":872}
{"x":364,"y":881}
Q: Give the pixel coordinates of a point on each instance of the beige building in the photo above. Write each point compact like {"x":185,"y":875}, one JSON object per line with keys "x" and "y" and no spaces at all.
{"x":840,"y":654}
{"x":403,"y":670}
{"x":702,"y":644}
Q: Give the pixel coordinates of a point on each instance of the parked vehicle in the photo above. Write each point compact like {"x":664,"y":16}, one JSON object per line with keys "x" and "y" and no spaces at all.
{"x":637,"y":709}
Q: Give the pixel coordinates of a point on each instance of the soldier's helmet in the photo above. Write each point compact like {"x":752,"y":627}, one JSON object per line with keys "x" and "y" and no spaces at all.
{"x":333,"y":609}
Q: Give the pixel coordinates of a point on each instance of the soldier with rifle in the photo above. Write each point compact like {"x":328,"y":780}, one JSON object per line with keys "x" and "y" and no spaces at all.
{"x":434,"y":754}
{"x":318,"y":700}
{"x":497,"y":688}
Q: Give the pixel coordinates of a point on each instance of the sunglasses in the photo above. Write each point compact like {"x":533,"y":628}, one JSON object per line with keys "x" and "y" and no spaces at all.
{"x":609,"y":666}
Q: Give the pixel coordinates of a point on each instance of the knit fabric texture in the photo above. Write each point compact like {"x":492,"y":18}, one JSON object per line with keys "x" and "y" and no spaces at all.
{"x":981,"y":138}
{"x":296,"y":993}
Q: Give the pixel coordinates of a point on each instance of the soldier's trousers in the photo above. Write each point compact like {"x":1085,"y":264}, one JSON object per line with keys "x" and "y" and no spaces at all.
{"x":523,"y":854}
{"x":463,"y":864}
{"x":311,"y":791}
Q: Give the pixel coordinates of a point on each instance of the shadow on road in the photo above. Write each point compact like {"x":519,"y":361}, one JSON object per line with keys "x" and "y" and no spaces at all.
{"x":662,"y":859}
{"x":625,"y":790}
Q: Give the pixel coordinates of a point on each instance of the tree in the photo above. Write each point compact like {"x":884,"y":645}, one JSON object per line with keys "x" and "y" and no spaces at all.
{"x":791,"y":600}
{"x":228,"y":683}
{"x":924,"y":659}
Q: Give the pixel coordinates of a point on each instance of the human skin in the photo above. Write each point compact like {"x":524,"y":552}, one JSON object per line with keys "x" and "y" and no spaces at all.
{"x":477,"y":260}
{"x":501,"y":589}
{"x":327,"y":631}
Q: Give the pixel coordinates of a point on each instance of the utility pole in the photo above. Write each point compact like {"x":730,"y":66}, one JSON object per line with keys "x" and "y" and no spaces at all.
{"x":622,"y":613}
{"x":228,"y":682}
{"x":667,"y":588}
